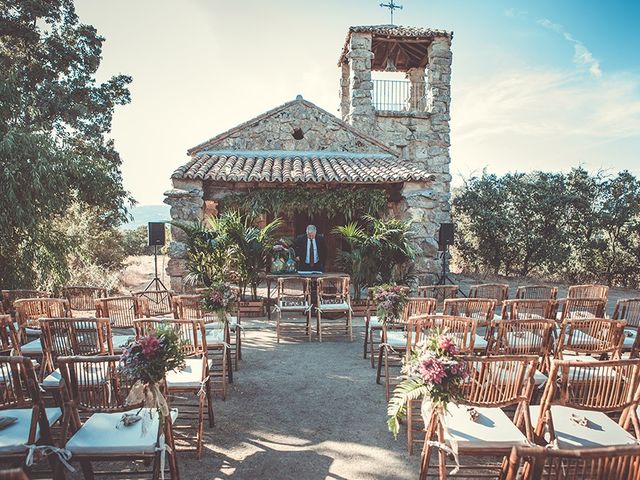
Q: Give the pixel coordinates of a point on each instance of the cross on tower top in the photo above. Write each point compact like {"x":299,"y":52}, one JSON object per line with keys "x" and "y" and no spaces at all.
{"x":391,"y":6}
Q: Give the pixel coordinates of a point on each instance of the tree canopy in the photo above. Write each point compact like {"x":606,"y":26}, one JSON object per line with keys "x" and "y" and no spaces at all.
{"x":54,"y":125}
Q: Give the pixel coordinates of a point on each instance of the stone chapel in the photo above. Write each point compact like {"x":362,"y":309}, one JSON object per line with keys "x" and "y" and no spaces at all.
{"x":394,"y":133}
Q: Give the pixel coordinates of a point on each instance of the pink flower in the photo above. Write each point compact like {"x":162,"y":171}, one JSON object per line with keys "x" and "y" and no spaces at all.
{"x":446,"y":344}
{"x":149,"y":345}
{"x":432,"y":370}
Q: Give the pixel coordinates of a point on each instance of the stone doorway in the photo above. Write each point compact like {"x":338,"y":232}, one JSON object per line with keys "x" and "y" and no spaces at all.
{"x":325,"y":225}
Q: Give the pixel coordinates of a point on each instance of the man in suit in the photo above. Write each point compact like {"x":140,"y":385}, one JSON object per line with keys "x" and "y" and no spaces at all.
{"x":310,"y":250}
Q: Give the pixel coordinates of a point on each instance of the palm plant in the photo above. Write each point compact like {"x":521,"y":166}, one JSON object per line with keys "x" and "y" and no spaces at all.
{"x":354,"y":261}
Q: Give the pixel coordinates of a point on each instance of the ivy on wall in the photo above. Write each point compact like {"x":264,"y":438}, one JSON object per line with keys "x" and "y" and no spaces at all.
{"x":352,"y":202}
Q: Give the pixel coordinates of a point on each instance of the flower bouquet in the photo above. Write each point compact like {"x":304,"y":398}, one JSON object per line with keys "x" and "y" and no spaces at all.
{"x":218,"y":298}
{"x":146,"y":361}
{"x":433,"y":372}
{"x":389,"y":301}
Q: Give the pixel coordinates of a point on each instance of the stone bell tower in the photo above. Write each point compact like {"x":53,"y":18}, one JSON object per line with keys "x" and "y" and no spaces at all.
{"x":396,"y":86}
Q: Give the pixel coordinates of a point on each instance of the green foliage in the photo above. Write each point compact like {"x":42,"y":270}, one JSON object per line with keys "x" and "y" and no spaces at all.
{"x":228,"y":248}
{"x":54,"y":150}
{"x":572,"y":227}
{"x":379,"y":251}
{"x":135,"y":242}
{"x":352,"y":202}
{"x":407,"y":390}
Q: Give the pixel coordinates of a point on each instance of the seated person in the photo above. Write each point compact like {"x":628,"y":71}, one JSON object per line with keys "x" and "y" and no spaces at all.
{"x":310,"y":250}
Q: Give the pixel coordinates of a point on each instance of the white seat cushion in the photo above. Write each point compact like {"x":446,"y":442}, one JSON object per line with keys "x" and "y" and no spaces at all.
{"x":491,"y":430}
{"x":375,"y":322}
{"x":14,"y":437}
{"x":522,"y":339}
{"x":330,"y":307}
{"x":395,"y":338}
{"x":189,"y":377}
{"x":215,"y":337}
{"x":601,"y":431}
{"x":630,"y":335}
{"x":215,"y":324}
{"x":121,"y":341}
{"x":54,"y":379}
{"x":34,"y":347}
{"x":99,"y":434}
{"x":479,"y":343}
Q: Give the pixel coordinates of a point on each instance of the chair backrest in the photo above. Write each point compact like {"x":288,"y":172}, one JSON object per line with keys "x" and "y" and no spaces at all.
{"x":159,"y":301}
{"x":333,"y":290}
{"x":419,"y":306}
{"x":10,"y":296}
{"x":192,"y":334}
{"x":30,"y":310}
{"x":498,"y":381}
{"x":74,"y":336}
{"x":83,"y":298}
{"x":462,"y":330}
{"x":601,"y":463}
{"x":122,"y":311}
{"x":20,"y":390}
{"x":523,"y":337}
{"x":96,"y":384}
{"x":294,"y":291}
{"x":600,"y":385}
{"x":478,"y":308}
{"x":629,"y":311}
{"x":494,"y":291}
{"x":537,"y":292}
{"x":582,"y":308}
{"x":590,"y":336}
{"x":439,"y":292}
{"x":187,"y":307}
{"x":527,"y":309}
{"x":9,"y":340}
{"x":589,"y":291}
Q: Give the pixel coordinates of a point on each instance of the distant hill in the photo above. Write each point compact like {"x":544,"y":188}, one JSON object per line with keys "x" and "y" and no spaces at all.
{"x":143,"y":214}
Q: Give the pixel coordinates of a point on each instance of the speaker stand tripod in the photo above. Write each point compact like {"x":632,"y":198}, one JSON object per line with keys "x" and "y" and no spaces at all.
{"x":156,"y":282}
{"x":444,"y":272}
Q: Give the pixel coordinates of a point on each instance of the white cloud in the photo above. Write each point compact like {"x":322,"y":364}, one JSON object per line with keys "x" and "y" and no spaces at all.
{"x":582,"y":56}
{"x":515,"y":13}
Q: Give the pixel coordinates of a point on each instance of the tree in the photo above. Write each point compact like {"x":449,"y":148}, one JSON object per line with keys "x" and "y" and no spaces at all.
{"x":54,"y":122}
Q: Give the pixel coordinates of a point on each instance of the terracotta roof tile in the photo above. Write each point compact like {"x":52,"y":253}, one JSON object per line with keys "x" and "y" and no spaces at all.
{"x":300,"y":167}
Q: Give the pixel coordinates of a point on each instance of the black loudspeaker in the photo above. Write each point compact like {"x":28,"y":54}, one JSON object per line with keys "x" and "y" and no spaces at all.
{"x":445,"y":236}
{"x":156,"y":234}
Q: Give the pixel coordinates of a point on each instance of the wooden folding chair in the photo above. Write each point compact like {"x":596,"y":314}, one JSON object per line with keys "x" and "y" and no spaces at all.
{"x":537,"y":292}
{"x":219,"y":344}
{"x":524,"y":337}
{"x":122,"y":311}
{"x":629,"y":311}
{"x":393,"y":340}
{"x":13,"y":474}
{"x":599,"y":463}
{"x":194,"y":377}
{"x":493,"y":383}
{"x":529,"y":309}
{"x":579,"y":399}
{"x":83,"y":298}
{"x":294,"y":296}
{"x":461,"y":330}
{"x":589,"y":291}
{"x":482,"y":309}
{"x":333,"y":298}
{"x":93,"y":419}
{"x":30,"y":310}
{"x":494,"y":291}
{"x":159,"y":301}
{"x":20,"y":399}
{"x":63,"y":337}
{"x":10,"y":296}
{"x":439,"y":292}
{"x":586,"y":338}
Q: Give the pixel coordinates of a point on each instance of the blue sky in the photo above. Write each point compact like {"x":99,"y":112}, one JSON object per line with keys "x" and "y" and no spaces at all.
{"x":542,"y":84}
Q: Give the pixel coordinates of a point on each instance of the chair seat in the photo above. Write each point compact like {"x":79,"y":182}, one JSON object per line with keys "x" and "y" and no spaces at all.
{"x":54,"y":379}
{"x":523,"y":339}
{"x":34,"y":347}
{"x":121,"y":341}
{"x":395,"y":338}
{"x":294,"y":308}
{"x":334,"y":307}
{"x":14,"y":438}
{"x":215,"y":337}
{"x":215,"y":324}
{"x":189,"y":377}
{"x":491,"y":430}
{"x":103,"y":433}
{"x":600,"y":432}
{"x":630,"y":335}
{"x":32,"y":332}
{"x":375,"y":322}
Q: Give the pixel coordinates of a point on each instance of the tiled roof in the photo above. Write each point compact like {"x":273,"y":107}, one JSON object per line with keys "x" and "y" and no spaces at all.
{"x":393,"y":31}
{"x":300,"y":167}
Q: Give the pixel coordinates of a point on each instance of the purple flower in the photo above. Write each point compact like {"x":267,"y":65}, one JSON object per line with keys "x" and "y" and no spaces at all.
{"x":432,"y":370}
